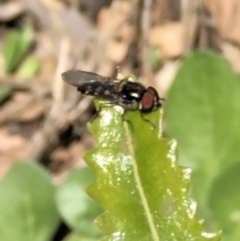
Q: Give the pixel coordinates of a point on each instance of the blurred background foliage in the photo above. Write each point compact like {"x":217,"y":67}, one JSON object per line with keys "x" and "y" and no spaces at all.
{"x":188,"y":50}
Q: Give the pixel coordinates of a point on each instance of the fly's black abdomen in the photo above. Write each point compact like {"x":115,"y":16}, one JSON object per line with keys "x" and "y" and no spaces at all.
{"x":99,"y":89}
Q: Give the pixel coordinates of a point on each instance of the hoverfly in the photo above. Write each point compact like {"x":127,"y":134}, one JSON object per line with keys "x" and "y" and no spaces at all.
{"x":124,"y":92}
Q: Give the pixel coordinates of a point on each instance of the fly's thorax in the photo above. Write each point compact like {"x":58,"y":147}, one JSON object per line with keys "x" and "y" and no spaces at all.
{"x":130,"y":94}
{"x":131,"y":91}
{"x":120,"y":85}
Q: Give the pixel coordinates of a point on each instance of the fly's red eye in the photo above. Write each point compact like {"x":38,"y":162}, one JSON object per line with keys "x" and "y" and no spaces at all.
{"x":152,"y":91}
{"x":147,"y":101}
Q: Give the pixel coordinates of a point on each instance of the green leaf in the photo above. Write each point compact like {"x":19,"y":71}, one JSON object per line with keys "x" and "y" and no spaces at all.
{"x":29,"y":67}
{"x":233,"y":235}
{"x":25,"y":42}
{"x":226,"y":208}
{"x":16,"y":46}
{"x":4,"y":93}
{"x":10,"y":47}
{"x":203,"y":114}
{"x":27,"y":207}
{"x":138,"y":183}
{"x":77,"y":237}
{"x":76,"y":208}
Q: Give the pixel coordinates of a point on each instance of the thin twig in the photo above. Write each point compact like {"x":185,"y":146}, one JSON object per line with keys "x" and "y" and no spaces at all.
{"x":190,"y":20}
{"x":145,"y":26}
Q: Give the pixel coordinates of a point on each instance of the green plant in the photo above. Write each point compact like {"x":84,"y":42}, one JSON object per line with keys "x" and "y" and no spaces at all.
{"x":31,"y":206}
{"x":4,"y":93}
{"x":138,"y":184}
{"x":203,"y":114}
{"x":77,"y":209}
{"x":27,"y":206}
{"x":16,"y":47}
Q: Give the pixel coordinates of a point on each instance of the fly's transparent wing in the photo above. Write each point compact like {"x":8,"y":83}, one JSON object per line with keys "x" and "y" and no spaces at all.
{"x":92,"y":84}
{"x":78,"y":77}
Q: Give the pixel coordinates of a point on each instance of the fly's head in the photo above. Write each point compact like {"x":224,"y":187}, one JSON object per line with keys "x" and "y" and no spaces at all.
{"x":150,"y":100}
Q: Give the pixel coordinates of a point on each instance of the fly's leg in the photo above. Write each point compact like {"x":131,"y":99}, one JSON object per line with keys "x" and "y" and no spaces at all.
{"x":126,"y":120}
{"x":130,"y":123}
{"x":97,"y":114}
{"x":146,"y":120}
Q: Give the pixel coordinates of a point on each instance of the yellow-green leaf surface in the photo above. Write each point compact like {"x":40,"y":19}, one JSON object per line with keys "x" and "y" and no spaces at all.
{"x":139,"y":184}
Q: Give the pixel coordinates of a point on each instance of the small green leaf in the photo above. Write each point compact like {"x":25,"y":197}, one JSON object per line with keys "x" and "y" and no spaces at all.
{"x":16,"y":46}
{"x":4,"y":93}
{"x":25,"y":41}
{"x":29,"y":67}
{"x":10,"y":47}
{"x":27,"y":206}
{"x":76,"y":208}
{"x":138,"y":182}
